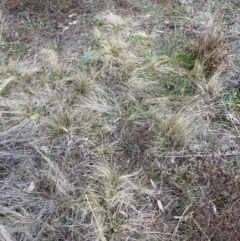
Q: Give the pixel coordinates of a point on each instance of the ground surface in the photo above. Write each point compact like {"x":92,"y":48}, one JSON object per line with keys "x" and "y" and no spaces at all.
{"x":119,"y":120}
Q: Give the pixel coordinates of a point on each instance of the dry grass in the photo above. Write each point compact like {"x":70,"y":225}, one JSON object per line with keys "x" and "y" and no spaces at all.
{"x":111,"y":135}
{"x":114,"y":58}
{"x":179,"y":128}
{"x":57,"y":5}
{"x":211,"y":46}
{"x":112,"y":203}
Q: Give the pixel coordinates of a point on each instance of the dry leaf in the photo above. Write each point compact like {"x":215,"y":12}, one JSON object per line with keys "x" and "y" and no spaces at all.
{"x":72,"y":15}
{"x":124,"y":214}
{"x":153,"y":184}
{"x":152,"y":101}
{"x":141,"y":34}
{"x":160,"y":206}
{"x":30,"y":188}
{"x":65,"y":129}
{"x":215,"y":212}
{"x":159,"y":165}
{"x":34,"y":117}
{"x":46,"y":150}
{"x":73,"y":23}
{"x":184,"y":218}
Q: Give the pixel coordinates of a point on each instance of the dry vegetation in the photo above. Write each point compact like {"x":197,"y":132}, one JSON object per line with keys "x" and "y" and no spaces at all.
{"x":119,"y":120}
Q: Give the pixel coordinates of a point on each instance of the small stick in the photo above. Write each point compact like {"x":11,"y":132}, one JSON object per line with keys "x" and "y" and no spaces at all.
{"x":213,"y":155}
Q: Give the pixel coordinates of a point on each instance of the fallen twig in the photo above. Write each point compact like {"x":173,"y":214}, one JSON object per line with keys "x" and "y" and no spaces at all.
{"x":213,"y":155}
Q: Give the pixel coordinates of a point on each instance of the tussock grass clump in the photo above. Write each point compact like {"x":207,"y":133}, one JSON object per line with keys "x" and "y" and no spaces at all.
{"x":213,"y":88}
{"x":77,"y":86}
{"x":114,"y":58}
{"x":112,"y":201}
{"x":211,"y":46}
{"x":61,"y":123}
{"x":178,"y":128}
{"x":51,"y":59}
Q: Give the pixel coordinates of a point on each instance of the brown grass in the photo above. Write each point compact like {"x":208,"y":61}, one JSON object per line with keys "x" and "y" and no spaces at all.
{"x":46,"y":5}
{"x":211,"y":46}
{"x":103,"y":136}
